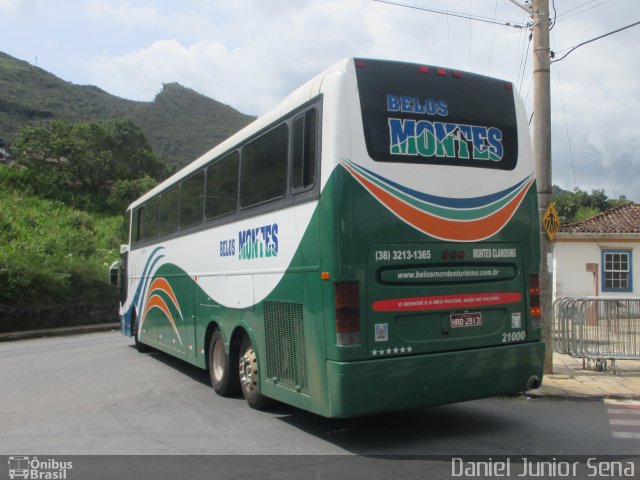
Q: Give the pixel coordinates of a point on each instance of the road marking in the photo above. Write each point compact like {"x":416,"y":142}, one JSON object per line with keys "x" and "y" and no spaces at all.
{"x":623,"y":411}
{"x":624,"y":418}
{"x":618,"y":421}
{"x":626,"y":435}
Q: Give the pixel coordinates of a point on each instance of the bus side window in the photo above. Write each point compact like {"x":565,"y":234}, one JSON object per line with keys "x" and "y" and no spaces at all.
{"x":135,"y":226}
{"x":149,"y":219}
{"x":263,"y":176}
{"x":222,"y":187}
{"x":303,"y":168}
{"x":168,"y":221}
{"x":192,"y":200}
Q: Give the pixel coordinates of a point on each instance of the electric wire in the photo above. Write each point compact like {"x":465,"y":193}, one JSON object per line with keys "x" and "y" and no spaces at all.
{"x":448,"y":32}
{"x":563,"y":16}
{"x":477,"y":18}
{"x":524,"y":67}
{"x":493,"y":34}
{"x":593,"y":40}
{"x":555,"y":15}
{"x":469,"y":35}
{"x":566,"y":124}
{"x":520,"y":56}
{"x":583,"y":11}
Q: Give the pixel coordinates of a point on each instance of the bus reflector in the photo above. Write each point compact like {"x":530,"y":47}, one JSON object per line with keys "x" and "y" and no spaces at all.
{"x":534,"y":295}
{"x":325,"y":275}
{"x":423,"y":69}
{"x":457,"y":74}
{"x":360,"y":63}
{"x":347,"y":313}
{"x":441,"y":71}
{"x":508,"y":85}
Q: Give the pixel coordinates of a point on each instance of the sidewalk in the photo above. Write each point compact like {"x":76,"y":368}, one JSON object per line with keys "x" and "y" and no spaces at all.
{"x":56,"y":332}
{"x":570,"y":380}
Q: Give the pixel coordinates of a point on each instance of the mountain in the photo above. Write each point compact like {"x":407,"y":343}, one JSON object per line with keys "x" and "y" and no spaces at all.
{"x":180,"y":123}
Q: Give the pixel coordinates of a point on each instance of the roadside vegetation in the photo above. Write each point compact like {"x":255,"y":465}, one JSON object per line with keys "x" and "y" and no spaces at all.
{"x":62,"y":208}
{"x":579,"y":205}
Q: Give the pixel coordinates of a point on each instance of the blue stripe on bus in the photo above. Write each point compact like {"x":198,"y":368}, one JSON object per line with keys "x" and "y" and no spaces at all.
{"x":460,"y":203}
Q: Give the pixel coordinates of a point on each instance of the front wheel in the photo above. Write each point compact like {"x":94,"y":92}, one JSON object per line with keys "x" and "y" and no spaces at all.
{"x":141,"y":347}
{"x":249,"y":376}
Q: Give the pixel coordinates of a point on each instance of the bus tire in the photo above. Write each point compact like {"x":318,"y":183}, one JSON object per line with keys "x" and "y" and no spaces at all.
{"x":224,"y":378}
{"x":249,"y":376}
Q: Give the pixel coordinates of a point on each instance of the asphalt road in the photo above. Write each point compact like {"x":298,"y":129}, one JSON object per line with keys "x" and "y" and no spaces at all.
{"x":95,"y":394}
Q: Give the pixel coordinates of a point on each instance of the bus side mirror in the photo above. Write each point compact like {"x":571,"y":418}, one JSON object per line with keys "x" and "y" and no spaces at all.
{"x":114,"y":274}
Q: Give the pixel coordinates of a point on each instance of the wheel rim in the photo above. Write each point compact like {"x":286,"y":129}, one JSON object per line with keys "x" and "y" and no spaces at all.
{"x":218,"y":360}
{"x":249,"y":370}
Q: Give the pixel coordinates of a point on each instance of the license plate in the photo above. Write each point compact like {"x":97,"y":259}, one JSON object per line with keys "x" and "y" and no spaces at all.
{"x":459,"y":320}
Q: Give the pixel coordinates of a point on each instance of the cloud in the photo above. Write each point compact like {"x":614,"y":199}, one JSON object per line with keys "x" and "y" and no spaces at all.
{"x":124,"y":13}
{"x":251,"y":53}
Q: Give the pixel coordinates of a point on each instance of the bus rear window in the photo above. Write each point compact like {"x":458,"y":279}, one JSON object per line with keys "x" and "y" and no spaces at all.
{"x":414,"y":114}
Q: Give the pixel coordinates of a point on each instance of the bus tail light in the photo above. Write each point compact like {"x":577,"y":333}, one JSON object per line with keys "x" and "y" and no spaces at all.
{"x":347,"y":313}
{"x":534,"y":297}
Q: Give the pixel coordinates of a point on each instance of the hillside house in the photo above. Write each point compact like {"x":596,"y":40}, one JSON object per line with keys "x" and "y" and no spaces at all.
{"x":599,"y":256}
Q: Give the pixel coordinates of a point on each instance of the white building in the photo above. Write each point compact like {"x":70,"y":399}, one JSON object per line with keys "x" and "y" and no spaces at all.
{"x":599,"y":256}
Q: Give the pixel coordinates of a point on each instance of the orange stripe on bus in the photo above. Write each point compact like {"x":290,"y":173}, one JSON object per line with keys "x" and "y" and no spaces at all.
{"x":161,"y":284}
{"x":471,"y":230}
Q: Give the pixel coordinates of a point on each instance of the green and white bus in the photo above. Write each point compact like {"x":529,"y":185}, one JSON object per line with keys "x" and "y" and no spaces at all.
{"x":369,"y":245}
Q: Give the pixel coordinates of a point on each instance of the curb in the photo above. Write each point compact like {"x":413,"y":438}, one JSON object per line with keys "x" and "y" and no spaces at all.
{"x":580,"y":396}
{"x":57,"y":332}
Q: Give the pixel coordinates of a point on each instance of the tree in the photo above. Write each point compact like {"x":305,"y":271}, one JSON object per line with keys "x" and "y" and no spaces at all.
{"x":579,"y":205}
{"x":88,"y":158}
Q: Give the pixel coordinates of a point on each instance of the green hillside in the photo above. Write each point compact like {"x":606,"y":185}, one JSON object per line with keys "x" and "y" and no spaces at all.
{"x":180,"y":123}
{"x":49,"y":252}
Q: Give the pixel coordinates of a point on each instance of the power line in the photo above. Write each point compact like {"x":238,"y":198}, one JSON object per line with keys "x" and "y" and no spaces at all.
{"x":470,"y":35}
{"x":594,"y":39}
{"x":563,"y":14}
{"x":493,"y":34}
{"x":522,"y":45}
{"x":555,"y":15}
{"x":448,"y":32}
{"x":524,"y":67}
{"x":477,"y":18}
{"x":566,"y":127}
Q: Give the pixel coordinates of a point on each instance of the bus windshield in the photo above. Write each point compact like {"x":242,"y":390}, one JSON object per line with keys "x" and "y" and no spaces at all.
{"x":422,"y":114}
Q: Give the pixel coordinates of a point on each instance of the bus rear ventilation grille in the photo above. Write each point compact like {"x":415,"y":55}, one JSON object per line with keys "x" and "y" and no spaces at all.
{"x":286,"y":356}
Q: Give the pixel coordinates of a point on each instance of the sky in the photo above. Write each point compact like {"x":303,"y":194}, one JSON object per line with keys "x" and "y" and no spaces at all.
{"x":250,"y":54}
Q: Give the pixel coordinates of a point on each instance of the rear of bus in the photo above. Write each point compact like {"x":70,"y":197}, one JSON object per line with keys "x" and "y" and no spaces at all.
{"x":436,"y":242}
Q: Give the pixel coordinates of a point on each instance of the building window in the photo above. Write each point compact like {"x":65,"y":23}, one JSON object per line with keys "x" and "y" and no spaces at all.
{"x":616,"y":271}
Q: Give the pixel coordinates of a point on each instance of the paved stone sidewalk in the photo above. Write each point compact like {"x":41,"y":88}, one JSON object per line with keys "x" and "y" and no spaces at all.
{"x":573,"y":380}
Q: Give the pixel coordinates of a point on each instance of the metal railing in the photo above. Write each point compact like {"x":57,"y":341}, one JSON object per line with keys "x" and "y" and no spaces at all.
{"x":598,"y":329}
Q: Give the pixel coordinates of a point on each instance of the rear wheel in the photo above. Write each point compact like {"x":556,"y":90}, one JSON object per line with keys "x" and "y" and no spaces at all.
{"x":249,"y":376}
{"x":224,"y":378}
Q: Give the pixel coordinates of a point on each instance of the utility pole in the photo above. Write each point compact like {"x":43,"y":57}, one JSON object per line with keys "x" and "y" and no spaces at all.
{"x":542,"y":158}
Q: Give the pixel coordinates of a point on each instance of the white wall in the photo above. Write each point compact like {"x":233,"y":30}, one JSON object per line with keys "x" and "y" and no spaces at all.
{"x":570,"y":278}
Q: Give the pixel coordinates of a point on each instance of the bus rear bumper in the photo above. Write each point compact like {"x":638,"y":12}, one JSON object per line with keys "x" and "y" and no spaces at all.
{"x":400,"y":383}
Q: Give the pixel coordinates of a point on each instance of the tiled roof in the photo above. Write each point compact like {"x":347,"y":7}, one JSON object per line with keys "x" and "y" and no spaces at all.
{"x":622,"y":219}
